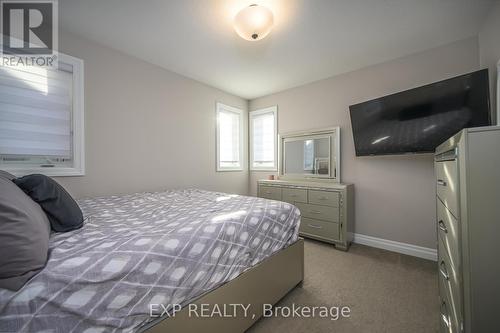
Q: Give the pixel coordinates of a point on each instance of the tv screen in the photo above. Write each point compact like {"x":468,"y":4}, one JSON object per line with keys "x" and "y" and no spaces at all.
{"x":418,"y":120}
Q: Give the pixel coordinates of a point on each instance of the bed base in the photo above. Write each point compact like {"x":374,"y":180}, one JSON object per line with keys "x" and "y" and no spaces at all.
{"x":265,"y":283}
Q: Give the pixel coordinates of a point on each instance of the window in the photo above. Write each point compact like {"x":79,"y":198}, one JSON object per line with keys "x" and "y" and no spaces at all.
{"x":41,"y":119}
{"x":264,"y":139}
{"x":229,"y":138}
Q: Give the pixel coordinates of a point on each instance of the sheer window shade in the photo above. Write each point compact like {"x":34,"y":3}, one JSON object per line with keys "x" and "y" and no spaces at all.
{"x":41,"y":118}
{"x":263,"y":133}
{"x":229,"y":138}
{"x":35,"y":111}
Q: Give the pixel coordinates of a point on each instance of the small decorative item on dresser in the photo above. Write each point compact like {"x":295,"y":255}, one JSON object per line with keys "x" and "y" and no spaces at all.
{"x":270,"y":177}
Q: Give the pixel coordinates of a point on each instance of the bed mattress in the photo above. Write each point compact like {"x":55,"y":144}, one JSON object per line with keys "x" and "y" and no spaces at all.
{"x":147,"y":248}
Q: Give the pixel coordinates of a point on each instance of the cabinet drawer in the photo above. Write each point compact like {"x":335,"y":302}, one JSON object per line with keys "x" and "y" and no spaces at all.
{"x":270,"y":192}
{"x":448,"y":232}
{"x":448,"y":320}
{"x":324,"y":198}
{"x":293,"y":195}
{"x":447,"y":185}
{"x":319,"y":228}
{"x":324,"y":213}
{"x":449,"y":285}
{"x":445,"y":321}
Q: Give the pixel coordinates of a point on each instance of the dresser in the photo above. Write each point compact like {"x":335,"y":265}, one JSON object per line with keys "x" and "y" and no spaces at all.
{"x":467,"y":169}
{"x":326,"y":207}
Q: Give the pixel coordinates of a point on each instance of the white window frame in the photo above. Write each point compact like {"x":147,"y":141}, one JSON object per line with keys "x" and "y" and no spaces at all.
{"x":251,"y":114}
{"x":78,"y":128}
{"x":223,"y":107}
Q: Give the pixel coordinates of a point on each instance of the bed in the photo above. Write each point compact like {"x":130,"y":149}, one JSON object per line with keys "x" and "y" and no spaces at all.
{"x":170,"y":248}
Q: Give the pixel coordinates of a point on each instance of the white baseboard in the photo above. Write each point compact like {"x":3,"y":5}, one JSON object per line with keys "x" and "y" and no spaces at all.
{"x":404,"y":248}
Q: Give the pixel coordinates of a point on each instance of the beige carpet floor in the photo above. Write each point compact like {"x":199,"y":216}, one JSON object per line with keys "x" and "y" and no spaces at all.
{"x":386,"y":292}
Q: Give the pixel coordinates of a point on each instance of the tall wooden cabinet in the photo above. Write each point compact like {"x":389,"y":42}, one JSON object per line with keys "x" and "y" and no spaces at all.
{"x":467,"y":168}
{"x":326,"y":208}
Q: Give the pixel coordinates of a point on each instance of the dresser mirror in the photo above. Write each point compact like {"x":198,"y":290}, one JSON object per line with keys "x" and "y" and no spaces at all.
{"x":311,"y":154}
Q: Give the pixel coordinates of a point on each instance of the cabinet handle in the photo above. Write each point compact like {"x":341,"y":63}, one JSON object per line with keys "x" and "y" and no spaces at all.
{"x":314,"y":212}
{"x":323,"y":198}
{"x":444,"y":316}
{"x":315,"y":226}
{"x":442,"y":226}
{"x":441,"y":182}
{"x":443,"y":271}
{"x":293,"y":195}
{"x":268,"y":192}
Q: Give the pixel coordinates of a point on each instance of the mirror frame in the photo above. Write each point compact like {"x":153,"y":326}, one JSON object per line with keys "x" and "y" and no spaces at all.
{"x":332,"y":133}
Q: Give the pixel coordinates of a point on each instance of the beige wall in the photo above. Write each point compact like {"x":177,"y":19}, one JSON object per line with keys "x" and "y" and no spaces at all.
{"x":489,"y":48}
{"x":395,"y":195}
{"x":146,"y":128}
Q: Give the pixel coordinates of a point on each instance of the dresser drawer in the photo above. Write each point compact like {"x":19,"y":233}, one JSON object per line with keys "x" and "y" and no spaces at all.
{"x":448,"y":320}
{"x":319,"y":228}
{"x":324,"y":213}
{"x":448,"y":232}
{"x":447,"y":185}
{"x":293,"y":195}
{"x":324,"y":198}
{"x":445,"y":321}
{"x":449,"y":284}
{"x":270,"y":192}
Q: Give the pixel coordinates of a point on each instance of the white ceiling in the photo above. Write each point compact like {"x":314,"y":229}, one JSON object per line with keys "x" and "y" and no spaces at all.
{"x":311,"y":40}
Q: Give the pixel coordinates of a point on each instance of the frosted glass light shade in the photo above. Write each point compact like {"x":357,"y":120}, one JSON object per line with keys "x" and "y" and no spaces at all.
{"x":253,"y":22}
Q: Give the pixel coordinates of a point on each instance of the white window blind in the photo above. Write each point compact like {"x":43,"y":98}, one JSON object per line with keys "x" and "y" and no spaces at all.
{"x":229,"y":138}
{"x":38,"y":115}
{"x":263,"y":136}
{"x":35,"y":111}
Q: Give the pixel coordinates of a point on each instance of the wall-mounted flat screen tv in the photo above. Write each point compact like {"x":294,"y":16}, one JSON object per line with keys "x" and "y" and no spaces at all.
{"x":418,"y":120}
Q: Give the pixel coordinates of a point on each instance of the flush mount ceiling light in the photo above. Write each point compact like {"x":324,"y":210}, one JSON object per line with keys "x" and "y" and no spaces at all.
{"x":253,"y":22}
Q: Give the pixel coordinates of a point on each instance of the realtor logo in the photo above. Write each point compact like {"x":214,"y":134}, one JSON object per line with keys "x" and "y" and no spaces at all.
{"x":29,"y":31}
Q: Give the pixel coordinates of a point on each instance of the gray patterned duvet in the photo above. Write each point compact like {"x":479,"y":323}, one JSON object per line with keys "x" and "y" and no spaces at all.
{"x":146,"y":248}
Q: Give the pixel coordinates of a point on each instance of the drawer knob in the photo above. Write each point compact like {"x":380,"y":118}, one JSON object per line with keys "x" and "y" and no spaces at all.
{"x":442,"y":226}
{"x":441,"y":182}
{"x":315,"y":226}
{"x":443,"y":271}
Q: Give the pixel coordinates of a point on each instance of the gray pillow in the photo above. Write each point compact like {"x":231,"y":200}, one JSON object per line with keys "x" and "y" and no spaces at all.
{"x":24,"y":236}
{"x":63,"y":212}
